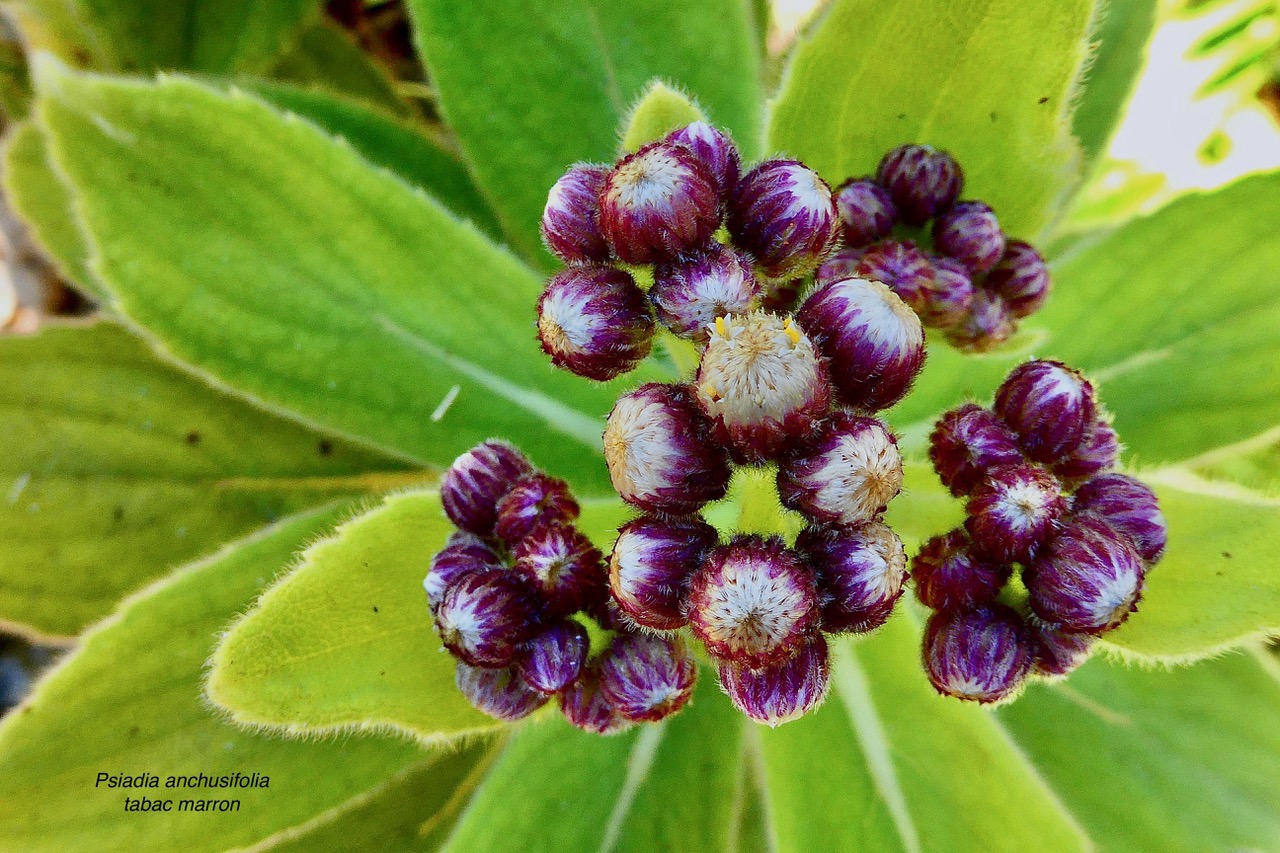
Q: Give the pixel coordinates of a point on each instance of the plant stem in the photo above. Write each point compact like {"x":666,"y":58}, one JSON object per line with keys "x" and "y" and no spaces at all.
{"x":755,"y":492}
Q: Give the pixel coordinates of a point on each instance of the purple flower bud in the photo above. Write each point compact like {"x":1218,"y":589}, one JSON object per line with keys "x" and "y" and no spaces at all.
{"x":498,"y":692}
{"x":659,"y":203}
{"x":1058,"y":652}
{"x":660,"y":453}
{"x":860,"y":571}
{"x":921,"y":180}
{"x":761,"y":383}
{"x":477,"y":480}
{"x":753,"y":601}
{"x":484,"y":616}
{"x":839,"y":265}
{"x":1048,"y":405}
{"x":652,"y":563}
{"x":560,"y":561}
{"x":873,"y":342}
{"x":535,"y":499}
{"x":1098,"y":452}
{"x":949,"y":575}
{"x":689,"y":295}
{"x":716,"y":152}
{"x":462,"y":554}
{"x":647,"y":678}
{"x":781,"y":295}
{"x":866,"y":211}
{"x":1013,"y":511}
{"x":970,"y":233}
{"x":985,"y":326}
{"x":1021,"y":279}
{"x":968,"y":442}
{"x":553,"y":659}
{"x":595,"y":322}
{"x":847,"y":473}
{"x":571,"y":219}
{"x":782,"y":213}
{"x":982,"y":654}
{"x":779,"y":694}
{"x":587,"y":707}
{"x":900,"y":265}
{"x":1128,"y":506}
{"x":1088,"y":578}
{"x":948,"y":296}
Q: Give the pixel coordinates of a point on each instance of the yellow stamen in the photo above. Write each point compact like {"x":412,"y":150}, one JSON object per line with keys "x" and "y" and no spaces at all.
{"x":791,"y":332}
{"x":721,"y":329}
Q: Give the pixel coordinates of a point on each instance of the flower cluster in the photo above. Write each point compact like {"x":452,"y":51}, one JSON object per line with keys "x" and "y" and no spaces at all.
{"x":504,"y":592}
{"x":1036,"y":473}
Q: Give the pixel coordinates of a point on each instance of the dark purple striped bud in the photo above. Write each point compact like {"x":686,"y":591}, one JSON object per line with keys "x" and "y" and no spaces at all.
{"x":1013,"y":511}
{"x":484,"y":616}
{"x":783,"y":215}
{"x":838,"y":266}
{"x":985,"y":326}
{"x":715,"y":150}
{"x":779,"y":694}
{"x":560,"y":561}
{"x":1088,"y":578}
{"x":860,"y":571}
{"x":652,"y":563}
{"x":921,"y":180}
{"x":1021,"y":279}
{"x":781,"y":295}
{"x":1048,"y":405}
{"x":1130,"y":507}
{"x":659,"y":203}
{"x":900,"y":265}
{"x":1058,"y":652}
{"x":848,"y":472}
{"x":866,"y":211}
{"x":872,"y":340}
{"x":647,"y":678}
{"x":463,"y":554}
{"x":571,"y":219}
{"x":498,"y":692}
{"x":761,"y":383}
{"x":948,"y":296}
{"x":966,"y":443}
{"x":982,"y":654}
{"x":1098,"y":452}
{"x":949,"y":575}
{"x":660,"y":452}
{"x":587,"y":707}
{"x":970,"y":233}
{"x":477,"y":480}
{"x":553,"y":659}
{"x":535,"y":499}
{"x":689,"y":295}
{"x":753,"y":601}
{"x":594,"y":321}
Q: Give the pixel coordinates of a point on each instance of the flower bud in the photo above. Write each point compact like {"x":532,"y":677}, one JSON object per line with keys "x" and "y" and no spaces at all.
{"x":560,"y":561}
{"x":498,"y":692}
{"x":1058,"y":652}
{"x":873,"y":342}
{"x":968,"y":442}
{"x":660,"y":453}
{"x":594,"y":321}
{"x":949,"y":575}
{"x":1088,"y":578}
{"x":859,"y":570}
{"x":985,"y":326}
{"x":484,"y":616}
{"x":948,"y":296}
{"x":866,"y":211}
{"x":652,"y":563}
{"x":839,"y":265}
{"x":647,"y":678}
{"x":921,"y":180}
{"x":900,"y":265}
{"x":715,"y":150}
{"x":463,"y":554}
{"x":571,"y":219}
{"x":781,"y":295}
{"x":658,"y":204}
{"x":1099,"y":451}
{"x":1021,"y":279}
{"x":689,"y":295}
{"x":761,"y":383}
{"x":1013,"y":511}
{"x":982,"y":654}
{"x":970,"y":233}
{"x":1048,"y":405}
{"x":1130,"y":507}
{"x":477,"y":480}
{"x":779,"y":694}
{"x":847,"y":473}
{"x":753,"y":601}
{"x":587,"y":707}
{"x":553,"y":659}
{"x":535,"y":499}
{"x":782,"y":213}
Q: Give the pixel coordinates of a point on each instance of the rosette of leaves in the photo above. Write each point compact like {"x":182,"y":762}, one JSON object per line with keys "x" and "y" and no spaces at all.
{"x":219,"y":491}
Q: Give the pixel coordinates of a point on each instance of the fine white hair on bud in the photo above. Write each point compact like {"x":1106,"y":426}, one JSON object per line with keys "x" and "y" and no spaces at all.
{"x":847,"y":473}
{"x":1014,"y":511}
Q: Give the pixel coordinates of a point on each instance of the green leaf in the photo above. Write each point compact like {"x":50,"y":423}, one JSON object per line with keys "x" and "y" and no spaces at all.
{"x":992,"y":81}
{"x":341,"y":294}
{"x":659,"y":111}
{"x":531,"y":87}
{"x":118,"y":466}
{"x":1254,"y":464}
{"x":127,"y":701}
{"x":326,"y":56}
